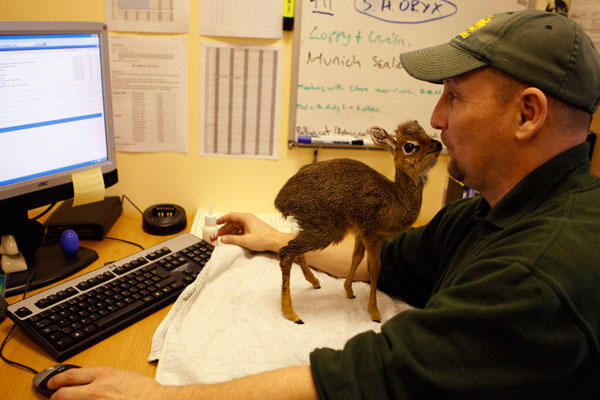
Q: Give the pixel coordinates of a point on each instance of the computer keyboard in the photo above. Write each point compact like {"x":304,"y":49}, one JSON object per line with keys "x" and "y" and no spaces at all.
{"x":74,"y":315}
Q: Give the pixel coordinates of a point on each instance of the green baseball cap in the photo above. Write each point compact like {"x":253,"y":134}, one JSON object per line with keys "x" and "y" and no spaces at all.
{"x":548,"y":51}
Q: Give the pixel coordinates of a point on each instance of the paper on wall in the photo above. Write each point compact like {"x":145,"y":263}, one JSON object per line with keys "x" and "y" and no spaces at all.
{"x":149,"y":93}
{"x":240,"y":100}
{"x":148,"y":15}
{"x":249,"y":18}
{"x":587,"y":14}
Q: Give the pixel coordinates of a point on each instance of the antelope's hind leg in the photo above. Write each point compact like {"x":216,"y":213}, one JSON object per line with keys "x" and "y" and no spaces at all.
{"x":286,"y":299}
{"x":308,"y":274}
{"x":295,"y":250}
{"x":357,"y":256}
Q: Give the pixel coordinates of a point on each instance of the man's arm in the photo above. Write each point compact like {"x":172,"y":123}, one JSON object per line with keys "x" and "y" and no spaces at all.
{"x":107,"y":383}
{"x":248,"y":231}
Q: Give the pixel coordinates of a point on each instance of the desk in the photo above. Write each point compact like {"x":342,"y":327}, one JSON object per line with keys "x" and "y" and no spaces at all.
{"x":127,"y":349}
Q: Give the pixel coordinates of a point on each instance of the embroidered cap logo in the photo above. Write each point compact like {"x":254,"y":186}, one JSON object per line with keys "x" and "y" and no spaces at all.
{"x":476,"y":26}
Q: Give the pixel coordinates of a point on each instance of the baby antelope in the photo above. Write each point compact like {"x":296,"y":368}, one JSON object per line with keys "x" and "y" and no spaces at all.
{"x":330,"y":199}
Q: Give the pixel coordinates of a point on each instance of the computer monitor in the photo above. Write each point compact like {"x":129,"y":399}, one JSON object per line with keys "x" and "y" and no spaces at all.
{"x":55,"y":120}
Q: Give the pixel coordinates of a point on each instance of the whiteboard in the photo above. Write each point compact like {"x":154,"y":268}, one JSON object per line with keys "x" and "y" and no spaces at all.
{"x":347,"y":74}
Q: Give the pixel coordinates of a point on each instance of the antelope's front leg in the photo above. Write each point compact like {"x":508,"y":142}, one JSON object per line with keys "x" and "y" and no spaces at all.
{"x":373,"y":251}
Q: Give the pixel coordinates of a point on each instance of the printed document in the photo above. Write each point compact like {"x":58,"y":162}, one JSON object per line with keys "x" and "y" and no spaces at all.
{"x":170,"y":16}
{"x":249,"y":18}
{"x":149,"y":93}
{"x":240,"y":98}
{"x":587,"y":14}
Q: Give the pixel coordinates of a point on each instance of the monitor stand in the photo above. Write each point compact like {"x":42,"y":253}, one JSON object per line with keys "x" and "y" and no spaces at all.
{"x":45,"y":260}
{"x":50,"y":265}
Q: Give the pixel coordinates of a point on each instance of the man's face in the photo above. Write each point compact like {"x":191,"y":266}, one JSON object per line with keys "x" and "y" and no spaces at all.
{"x":476,"y":127}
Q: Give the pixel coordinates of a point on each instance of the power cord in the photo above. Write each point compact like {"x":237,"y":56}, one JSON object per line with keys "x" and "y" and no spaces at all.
{"x":6,"y":360}
{"x":123,"y":197}
{"x":126,"y":241}
{"x":44,"y":212}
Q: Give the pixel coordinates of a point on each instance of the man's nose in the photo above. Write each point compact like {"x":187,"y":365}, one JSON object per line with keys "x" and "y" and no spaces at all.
{"x":438,"y":116}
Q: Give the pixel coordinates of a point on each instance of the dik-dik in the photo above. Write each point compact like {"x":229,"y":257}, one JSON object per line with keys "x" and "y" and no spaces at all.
{"x":330,"y":199}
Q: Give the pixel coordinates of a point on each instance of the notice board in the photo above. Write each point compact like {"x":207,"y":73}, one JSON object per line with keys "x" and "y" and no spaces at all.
{"x":347,"y":74}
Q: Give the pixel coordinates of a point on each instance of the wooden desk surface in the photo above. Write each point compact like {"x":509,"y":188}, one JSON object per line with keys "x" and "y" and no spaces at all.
{"x":127,"y":349}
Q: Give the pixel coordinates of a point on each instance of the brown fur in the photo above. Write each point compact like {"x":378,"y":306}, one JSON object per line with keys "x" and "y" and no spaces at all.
{"x":332,"y":198}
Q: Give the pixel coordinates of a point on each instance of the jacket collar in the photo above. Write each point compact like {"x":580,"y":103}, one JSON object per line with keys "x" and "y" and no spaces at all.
{"x":527,"y":195}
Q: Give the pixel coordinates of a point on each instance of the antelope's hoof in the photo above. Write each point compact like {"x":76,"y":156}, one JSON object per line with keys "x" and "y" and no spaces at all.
{"x":375,"y":316}
{"x":292,"y":316}
{"x":349,"y":292}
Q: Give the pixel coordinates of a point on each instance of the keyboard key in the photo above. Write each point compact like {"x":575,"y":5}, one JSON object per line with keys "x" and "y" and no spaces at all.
{"x":88,"y":329}
{"x":42,"y":303}
{"x":23,"y":312}
{"x":63,"y":343}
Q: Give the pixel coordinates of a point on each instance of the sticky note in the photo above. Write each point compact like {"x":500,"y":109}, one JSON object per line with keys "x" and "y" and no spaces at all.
{"x":88,"y":186}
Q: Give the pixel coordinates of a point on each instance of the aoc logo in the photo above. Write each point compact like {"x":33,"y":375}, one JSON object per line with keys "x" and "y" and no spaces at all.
{"x":477,"y":25}
{"x":406,"y":11}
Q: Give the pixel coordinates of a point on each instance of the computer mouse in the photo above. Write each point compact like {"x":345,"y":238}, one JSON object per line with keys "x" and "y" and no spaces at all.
{"x":40,"y":381}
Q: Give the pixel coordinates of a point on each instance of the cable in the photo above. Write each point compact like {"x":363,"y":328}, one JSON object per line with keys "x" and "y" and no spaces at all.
{"x":44,"y":212}
{"x":132,"y":203}
{"x":6,"y":360}
{"x":126,"y":241}
{"x":121,"y":240}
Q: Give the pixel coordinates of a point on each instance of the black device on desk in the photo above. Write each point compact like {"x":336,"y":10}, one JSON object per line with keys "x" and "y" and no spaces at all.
{"x":56,"y":121}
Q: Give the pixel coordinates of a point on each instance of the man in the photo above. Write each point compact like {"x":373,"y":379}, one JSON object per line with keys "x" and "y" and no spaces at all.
{"x":506,"y":286}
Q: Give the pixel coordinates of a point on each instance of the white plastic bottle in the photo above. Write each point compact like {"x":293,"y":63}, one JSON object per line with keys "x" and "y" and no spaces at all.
{"x":210,"y":229}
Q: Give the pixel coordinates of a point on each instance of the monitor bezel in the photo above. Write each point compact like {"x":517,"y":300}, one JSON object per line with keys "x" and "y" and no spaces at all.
{"x":59,"y":186}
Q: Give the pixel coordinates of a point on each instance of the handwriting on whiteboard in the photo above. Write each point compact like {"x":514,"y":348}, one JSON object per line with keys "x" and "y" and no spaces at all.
{"x":406,"y":11}
{"x":394,"y":11}
{"x":322,"y":7}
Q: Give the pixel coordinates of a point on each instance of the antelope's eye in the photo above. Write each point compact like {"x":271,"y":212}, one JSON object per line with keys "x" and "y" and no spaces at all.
{"x":409,"y":147}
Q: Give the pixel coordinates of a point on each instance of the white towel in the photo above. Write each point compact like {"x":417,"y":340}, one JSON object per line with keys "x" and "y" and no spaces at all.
{"x":228,"y":323}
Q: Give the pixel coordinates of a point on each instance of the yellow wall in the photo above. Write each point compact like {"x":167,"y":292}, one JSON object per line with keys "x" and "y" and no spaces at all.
{"x":193,"y":181}
{"x":226,"y":183}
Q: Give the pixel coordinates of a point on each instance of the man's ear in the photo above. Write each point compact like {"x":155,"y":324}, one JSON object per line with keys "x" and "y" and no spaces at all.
{"x":533,"y":105}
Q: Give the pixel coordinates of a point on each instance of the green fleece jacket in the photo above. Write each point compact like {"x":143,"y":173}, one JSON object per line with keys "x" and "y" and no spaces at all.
{"x":507,"y":300}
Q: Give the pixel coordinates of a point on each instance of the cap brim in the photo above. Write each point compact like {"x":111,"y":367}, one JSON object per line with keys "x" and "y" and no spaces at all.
{"x":434,"y":64}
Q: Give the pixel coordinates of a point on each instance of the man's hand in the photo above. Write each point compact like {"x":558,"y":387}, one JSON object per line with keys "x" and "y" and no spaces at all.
{"x":104,"y":383}
{"x":249,"y":231}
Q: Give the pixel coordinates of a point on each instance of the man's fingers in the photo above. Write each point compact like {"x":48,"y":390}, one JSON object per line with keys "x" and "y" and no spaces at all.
{"x":231,"y":239}
{"x":74,"y":376}
{"x":232,"y":217}
{"x":231,"y":228}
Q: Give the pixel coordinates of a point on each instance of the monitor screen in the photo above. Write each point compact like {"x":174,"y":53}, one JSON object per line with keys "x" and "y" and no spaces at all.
{"x":55,"y":121}
{"x":55,"y":109}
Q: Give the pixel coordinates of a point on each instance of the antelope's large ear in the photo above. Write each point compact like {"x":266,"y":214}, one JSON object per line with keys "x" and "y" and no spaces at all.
{"x":382,"y":139}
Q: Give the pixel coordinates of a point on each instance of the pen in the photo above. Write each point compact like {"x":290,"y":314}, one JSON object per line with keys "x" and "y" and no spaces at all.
{"x":313,"y":140}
